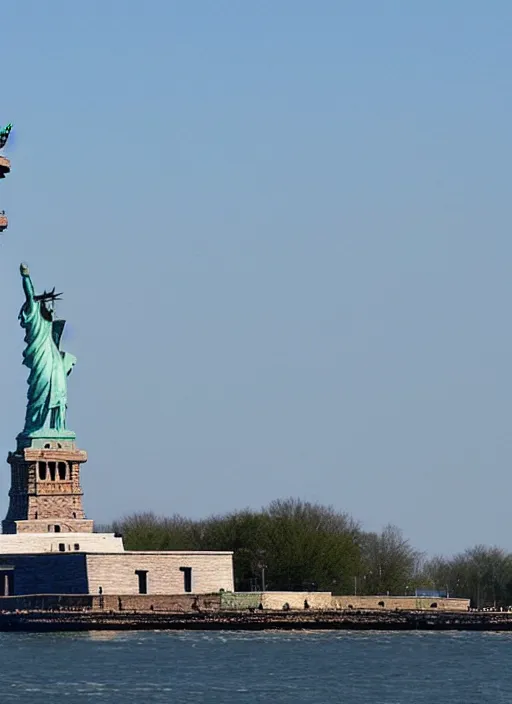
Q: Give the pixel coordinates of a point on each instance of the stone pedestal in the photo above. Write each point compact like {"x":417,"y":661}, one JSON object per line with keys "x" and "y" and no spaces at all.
{"x":46,"y":495}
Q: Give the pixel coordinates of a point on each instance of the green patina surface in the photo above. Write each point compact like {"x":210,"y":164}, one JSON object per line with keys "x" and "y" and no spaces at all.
{"x":232,"y":601}
{"x":40,"y":438}
{"x":4,"y":135}
{"x":49,"y":365}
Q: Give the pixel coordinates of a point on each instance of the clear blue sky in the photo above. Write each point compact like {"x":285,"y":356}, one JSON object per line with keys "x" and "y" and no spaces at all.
{"x":282,"y":229}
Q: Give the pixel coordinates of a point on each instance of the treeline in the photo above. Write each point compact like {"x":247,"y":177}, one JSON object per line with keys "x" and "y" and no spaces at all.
{"x":482,"y":574}
{"x":297,"y":545}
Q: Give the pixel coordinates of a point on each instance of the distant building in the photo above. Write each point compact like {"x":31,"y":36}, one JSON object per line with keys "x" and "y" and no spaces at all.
{"x":432,"y":593}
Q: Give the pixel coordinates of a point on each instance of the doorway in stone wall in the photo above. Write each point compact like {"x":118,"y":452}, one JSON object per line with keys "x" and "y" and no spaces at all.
{"x":6,"y":581}
{"x":187,"y":579}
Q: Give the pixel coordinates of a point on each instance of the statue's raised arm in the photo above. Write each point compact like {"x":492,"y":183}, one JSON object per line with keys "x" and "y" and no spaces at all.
{"x":28,"y":286}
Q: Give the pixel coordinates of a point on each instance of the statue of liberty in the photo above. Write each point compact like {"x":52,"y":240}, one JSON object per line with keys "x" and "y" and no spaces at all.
{"x":49,"y":366}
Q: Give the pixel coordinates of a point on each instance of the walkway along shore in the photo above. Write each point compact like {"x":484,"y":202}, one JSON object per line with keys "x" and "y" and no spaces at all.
{"x":44,"y":621}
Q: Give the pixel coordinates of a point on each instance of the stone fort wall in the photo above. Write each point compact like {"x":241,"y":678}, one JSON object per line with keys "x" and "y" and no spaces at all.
{"x":117,"y":573}
{"x":187,"y":603}
{"x":50,"y":573}
{"x":180,"y":603}
{"x":276,"y":600}
{"x":35,"y":543}
{"x":402,"y":603}
{"x":325,"y":601}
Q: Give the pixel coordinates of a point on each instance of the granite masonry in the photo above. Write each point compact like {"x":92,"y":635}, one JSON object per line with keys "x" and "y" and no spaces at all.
{"x":48,"y":545}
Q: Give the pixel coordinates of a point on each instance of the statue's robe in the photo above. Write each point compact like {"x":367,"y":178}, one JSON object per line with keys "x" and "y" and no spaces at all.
{"x":49,"y":367}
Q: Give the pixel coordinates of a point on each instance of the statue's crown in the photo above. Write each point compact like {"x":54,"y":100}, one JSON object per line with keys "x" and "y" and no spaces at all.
{"x":47,"y":296}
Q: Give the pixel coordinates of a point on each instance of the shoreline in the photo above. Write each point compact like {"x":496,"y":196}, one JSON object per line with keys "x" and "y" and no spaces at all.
{"x":67,"y":621}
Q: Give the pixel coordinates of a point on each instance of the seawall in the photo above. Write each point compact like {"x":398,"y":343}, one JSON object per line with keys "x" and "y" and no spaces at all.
{"x":44,"y":621}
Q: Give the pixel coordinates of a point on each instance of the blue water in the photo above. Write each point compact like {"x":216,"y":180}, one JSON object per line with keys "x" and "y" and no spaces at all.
{"x":318,"y":668}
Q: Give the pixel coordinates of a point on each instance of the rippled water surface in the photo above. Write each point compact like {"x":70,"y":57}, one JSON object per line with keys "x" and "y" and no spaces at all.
{"x":318,"y":668}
